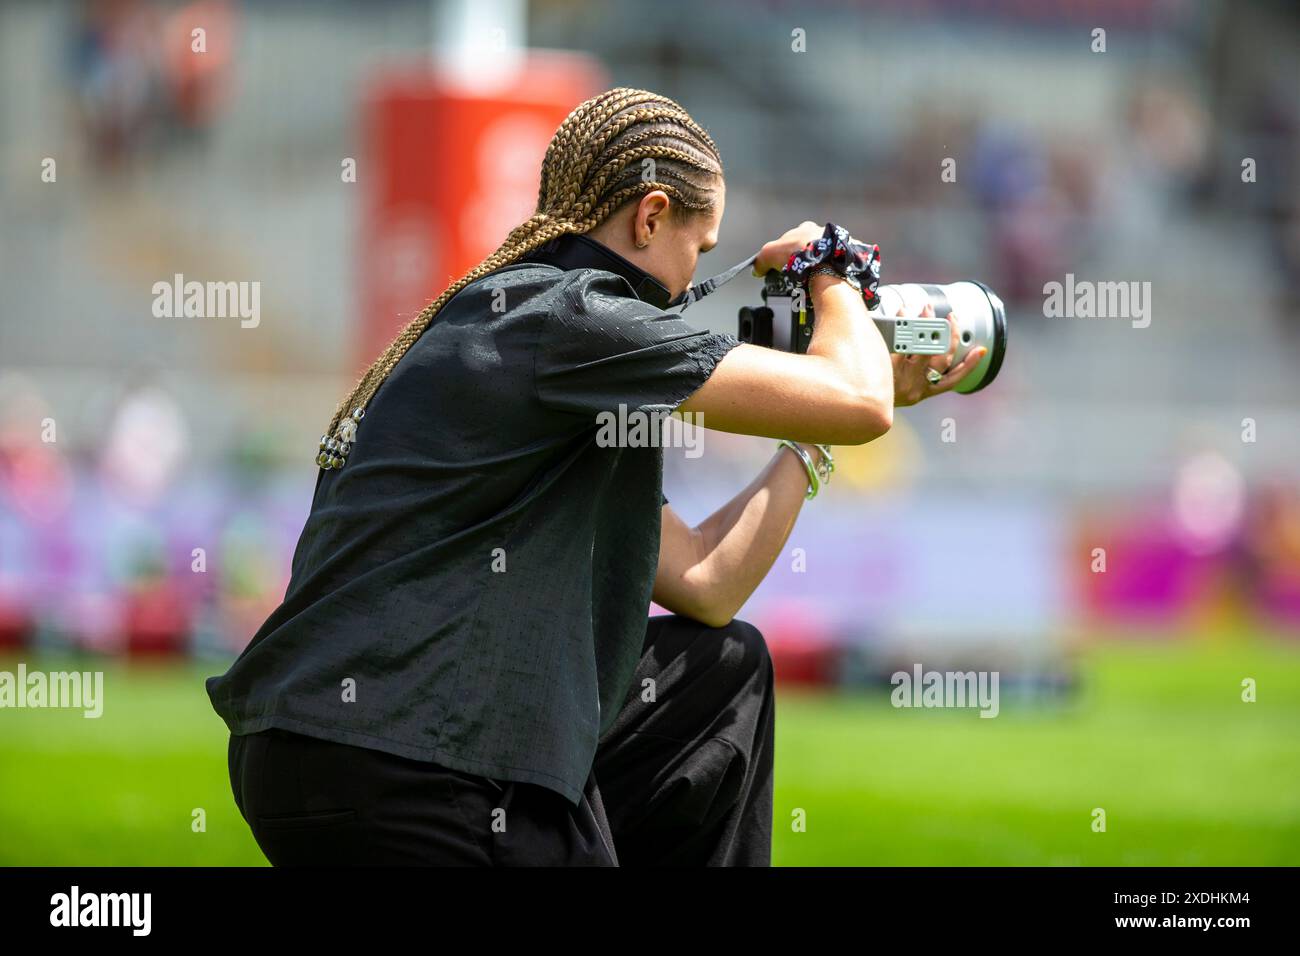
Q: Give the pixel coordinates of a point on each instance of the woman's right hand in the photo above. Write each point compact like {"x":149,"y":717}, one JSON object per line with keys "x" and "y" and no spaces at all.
{"x":775,"y":254}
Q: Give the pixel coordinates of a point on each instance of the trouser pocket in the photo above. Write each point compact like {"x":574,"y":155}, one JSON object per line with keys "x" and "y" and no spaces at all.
{"x":305,"y":821}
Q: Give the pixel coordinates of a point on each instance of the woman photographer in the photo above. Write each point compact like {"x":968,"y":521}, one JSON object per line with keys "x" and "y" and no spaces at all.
{"x":462,"y":670}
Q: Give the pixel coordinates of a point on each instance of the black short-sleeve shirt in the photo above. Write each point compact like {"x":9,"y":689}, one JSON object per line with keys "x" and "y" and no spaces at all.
{"x":472,"y":587}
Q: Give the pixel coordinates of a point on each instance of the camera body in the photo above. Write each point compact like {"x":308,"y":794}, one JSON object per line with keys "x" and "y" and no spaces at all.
{"x":786,"y":320}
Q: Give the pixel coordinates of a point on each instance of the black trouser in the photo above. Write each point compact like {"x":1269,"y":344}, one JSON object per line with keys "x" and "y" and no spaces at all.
{"x":685,"y":778}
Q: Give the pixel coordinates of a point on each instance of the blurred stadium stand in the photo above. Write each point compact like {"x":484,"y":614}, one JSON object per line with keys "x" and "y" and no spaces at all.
{"x":183,"y":434}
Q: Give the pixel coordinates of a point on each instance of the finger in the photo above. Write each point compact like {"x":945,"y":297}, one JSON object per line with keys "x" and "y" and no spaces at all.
{"x":927,"y":312}
{"x":943,"y":363}
{"x":960,"y":371}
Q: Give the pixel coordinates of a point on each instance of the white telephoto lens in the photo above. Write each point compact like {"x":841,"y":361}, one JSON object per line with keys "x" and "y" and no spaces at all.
{"x":981,"y":320}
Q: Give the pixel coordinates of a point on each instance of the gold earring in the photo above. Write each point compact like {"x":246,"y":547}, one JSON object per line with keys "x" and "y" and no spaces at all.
{"x":642,"y":245}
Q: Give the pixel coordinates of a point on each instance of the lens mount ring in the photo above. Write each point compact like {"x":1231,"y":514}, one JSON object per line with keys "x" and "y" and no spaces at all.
{"x":999,"y":345}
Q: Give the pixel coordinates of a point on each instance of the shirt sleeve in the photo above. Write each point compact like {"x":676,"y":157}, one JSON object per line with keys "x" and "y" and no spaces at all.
{"x":600,"y":347}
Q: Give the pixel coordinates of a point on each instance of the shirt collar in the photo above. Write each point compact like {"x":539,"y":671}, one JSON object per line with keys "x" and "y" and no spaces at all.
{"x":572,"y":251}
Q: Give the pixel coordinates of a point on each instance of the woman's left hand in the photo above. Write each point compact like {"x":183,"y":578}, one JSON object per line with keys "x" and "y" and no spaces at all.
{"x":911,"y":381}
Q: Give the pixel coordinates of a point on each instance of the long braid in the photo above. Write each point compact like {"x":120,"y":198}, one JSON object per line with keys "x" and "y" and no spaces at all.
{"x":589,"y":172}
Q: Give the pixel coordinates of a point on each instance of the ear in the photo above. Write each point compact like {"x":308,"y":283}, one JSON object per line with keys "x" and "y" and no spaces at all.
{"x":651,"y":214}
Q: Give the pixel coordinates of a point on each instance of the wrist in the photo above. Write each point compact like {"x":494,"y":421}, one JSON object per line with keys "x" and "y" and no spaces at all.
{"x":830,"y":283}
{"x":809,"y":466}
{"x":813,"y":451}
{"x":832,"y":272}
{"x":817,"y":461}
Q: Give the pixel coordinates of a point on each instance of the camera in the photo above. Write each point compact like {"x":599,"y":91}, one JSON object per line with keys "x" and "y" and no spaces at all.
{"x":785,"y":321}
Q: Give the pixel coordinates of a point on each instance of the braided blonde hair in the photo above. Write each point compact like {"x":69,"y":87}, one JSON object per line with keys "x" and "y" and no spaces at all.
{"x":595,"y":164}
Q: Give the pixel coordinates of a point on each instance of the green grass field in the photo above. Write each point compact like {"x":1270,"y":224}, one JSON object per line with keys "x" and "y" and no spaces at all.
{"x":1186,"y":772}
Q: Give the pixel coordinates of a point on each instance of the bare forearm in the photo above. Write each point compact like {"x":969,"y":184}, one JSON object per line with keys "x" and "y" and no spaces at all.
{"x":846,"y":336}
{"x":840,"y":393}
{"x":743,"y":538}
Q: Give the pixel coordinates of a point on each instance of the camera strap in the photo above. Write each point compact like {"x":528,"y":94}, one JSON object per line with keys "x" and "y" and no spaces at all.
{"x":835,"y":247}
{"x":698,"y":291}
